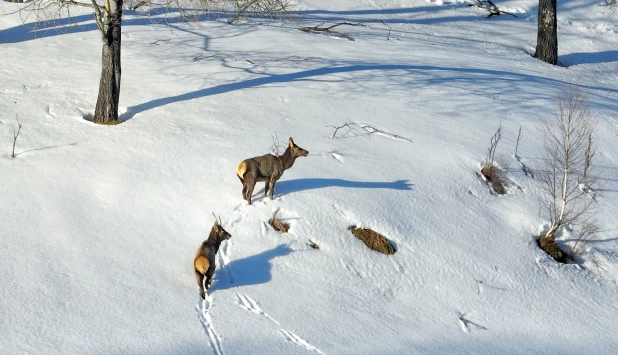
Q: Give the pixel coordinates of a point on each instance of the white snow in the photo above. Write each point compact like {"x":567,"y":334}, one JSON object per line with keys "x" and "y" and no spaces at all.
{"x":99,"y":224}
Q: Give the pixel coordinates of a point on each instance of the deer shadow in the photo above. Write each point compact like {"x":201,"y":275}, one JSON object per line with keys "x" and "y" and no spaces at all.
{"x":252,"y":270}
{"x":296,"y":185}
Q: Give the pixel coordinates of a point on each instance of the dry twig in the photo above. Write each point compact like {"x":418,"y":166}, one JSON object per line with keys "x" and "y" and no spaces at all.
{"x":15,"y":135}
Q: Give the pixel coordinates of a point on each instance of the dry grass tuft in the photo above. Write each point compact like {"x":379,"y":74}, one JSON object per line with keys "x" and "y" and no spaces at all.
{"x":90,"y":117}
{"x":373,"y":240}
{"x":277,"y":224}
{"x":492,"y":174}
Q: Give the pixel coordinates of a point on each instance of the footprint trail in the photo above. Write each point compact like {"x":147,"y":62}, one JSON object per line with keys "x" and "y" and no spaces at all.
{"x":203,"y":313}
{"x":250,"y":305}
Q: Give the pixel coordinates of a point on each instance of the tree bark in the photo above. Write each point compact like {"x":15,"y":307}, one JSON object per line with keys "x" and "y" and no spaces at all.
{"x":106,"y":110}
{"x":547,"y":35}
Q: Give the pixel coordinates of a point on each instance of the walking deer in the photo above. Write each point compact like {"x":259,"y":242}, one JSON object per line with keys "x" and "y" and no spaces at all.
{"x":204,"y":260}
{"x":268,"y":168}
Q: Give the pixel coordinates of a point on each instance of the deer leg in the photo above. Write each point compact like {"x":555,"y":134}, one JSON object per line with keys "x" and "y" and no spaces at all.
{"x":266,"y":189}
{"x":244,"y":191}
{"x":272,"y":187}
{"x":200,"y":281}
{"x":249,"y":185}
{"x":209,"y":274}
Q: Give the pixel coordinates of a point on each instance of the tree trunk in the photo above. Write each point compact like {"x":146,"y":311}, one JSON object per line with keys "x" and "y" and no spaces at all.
{"x":106,"y":111}
{"x":547,"y":35}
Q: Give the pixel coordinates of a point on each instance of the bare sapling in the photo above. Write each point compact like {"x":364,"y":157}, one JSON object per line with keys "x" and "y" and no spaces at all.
{"x":490,"y":169}
{"x":525,"y":168}
{"x":519,"y":136}
{"x":15,"y":135}
{"x":569,"y":153}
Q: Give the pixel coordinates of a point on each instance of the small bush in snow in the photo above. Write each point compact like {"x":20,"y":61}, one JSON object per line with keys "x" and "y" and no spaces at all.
{"x":491,"y":170}
{"x":568,"y":178}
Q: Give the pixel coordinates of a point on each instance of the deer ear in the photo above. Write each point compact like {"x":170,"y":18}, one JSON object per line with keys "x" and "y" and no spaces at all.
{"x":216,"y":222}
{"x":291,"y":141}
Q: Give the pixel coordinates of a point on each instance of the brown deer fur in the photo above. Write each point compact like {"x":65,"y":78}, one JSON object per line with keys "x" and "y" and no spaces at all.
{"x":204,"y":260}
{"x":268,"y":168}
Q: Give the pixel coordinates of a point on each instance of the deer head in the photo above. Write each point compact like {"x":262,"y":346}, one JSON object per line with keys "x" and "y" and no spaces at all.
{"x":220,"y":233}
{"x":296,"y":150}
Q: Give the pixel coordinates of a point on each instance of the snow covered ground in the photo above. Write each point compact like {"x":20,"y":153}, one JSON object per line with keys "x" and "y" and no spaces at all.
{"x":99,"y":223}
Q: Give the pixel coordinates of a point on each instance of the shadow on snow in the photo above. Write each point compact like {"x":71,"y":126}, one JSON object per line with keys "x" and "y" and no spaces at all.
{"x":252,"y":270}
{"x":285,"y":187}
{"x":306,"y":75}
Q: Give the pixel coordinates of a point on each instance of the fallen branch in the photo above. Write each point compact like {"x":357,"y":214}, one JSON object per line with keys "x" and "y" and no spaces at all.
{"x":202,"y":57}
{"x":491,"y":8}
{"x":368,"y":129}
{"x":329,"y":29}
{"x":160,"y":40}
{"x":467,"y":323}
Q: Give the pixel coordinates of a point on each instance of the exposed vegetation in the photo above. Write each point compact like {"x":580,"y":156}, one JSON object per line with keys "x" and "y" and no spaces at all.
{"x":373,"y":240}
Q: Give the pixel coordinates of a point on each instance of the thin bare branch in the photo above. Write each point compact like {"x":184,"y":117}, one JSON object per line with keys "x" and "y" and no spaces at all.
{"x":15,"y":135}
{"x":202,"y":57}
{"x":329,"y":29}
{"x":363,"y":129}
{"x":491,"y":8}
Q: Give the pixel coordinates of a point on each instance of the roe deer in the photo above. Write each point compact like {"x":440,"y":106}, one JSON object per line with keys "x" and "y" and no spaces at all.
{"x":267,"y":168}
{"x":204,"y":260}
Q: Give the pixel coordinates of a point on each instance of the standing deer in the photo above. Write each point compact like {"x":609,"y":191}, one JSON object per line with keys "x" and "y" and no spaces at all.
{"x":204,"y":260}
{"x":267,"y":168}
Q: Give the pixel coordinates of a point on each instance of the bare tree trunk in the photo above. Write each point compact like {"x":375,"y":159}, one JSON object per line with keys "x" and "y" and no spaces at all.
{"x":106,"y":110}
{"x":547,"y":35}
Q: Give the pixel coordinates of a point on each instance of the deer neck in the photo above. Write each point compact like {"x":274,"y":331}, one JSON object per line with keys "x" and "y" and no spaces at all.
{"x":214,"y":240}
{"x":287,"y":159}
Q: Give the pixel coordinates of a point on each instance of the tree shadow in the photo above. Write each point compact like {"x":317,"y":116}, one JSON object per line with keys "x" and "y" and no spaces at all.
{"x":289,"y":186}
{"x":429,"y":71}
{"x":252,"y":270}
{"x":85,"y":23}
{"x":45,"y":148}
{"x":377,"y":15}
{"x":571,"y":59}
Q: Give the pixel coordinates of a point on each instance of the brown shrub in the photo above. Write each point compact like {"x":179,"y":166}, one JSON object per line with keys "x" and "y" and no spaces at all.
{"x":492,"y":174}
{"x":373,"y":240}
{"x":549,"y":245}
{"x":277,"y":224}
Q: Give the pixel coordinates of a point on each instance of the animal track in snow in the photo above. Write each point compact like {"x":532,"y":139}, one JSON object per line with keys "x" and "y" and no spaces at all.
{"x":204,"y":315}
{"x":299,"y":341}
{"x":250,"y":305}
{"x":50,"y":112}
